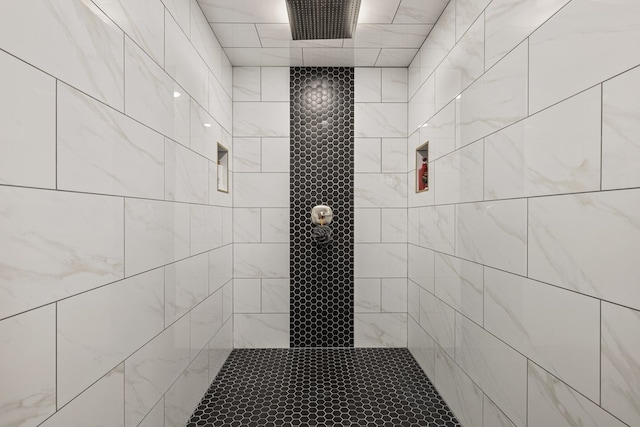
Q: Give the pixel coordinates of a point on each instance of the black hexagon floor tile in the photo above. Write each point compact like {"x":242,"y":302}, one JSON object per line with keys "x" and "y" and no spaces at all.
{"x":322,"y":387}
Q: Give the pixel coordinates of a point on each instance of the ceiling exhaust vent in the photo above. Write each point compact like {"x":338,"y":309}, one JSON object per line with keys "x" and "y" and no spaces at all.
{"x":323,"y":19}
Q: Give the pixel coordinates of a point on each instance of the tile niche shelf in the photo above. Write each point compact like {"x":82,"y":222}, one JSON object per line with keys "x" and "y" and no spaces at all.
{"x":422,"y":168}
{"x":223,"y":168}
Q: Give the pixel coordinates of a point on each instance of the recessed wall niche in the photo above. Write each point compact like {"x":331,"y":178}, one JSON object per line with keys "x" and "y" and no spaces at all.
{"x":223,"y":168}
{"x":422,"y":168}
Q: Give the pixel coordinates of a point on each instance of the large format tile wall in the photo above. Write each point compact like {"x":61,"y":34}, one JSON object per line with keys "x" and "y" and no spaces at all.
{"x":261,"y":207}
{"x":523,"y":256}
{"x":380,"y":207}
{"x":115,"y":283}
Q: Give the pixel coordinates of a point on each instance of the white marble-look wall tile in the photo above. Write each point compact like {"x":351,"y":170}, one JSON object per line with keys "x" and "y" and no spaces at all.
{"x":440,"y":41}
{"x":413,"y":226}
{"x":261,"y":331}
{"x":27,"y":152}
{"x":220,"y":103}
{"x":497,"y":99}
{"x":150,"y":371}
{"x":28,"y":365}
{"x":180,"y":11}
{"x":468,"y":11}
{"x":206,"y":43}
{"x":275,"y":295}
{"x":380,"y":190}
{"x":156,"y":233}
{"x":155,"y":417}
{"x":494,"y":234}
{"x":103,"y":403}
{"x":186,"y":284}
{"x":508,"y":22}
{"x":368,"y":85}
{"x":367,"y":295}
{"x":261,"y":260}
{"x":460,"y":284}
{"x":460,"y":175}
{"x":380,"y":260}
{"x":438,"y":320}
{"x":534,"y":318}
{"x":207,"y":224}
{"x":227,"y":74}
{"x":375,"y":120}
{"x":275,"y":225}
{"x":458,"y":390}
{"x":367,"y":155}
{"x":247,"y":296}
{"x":275,"y":84}
{"x":394,"y":155}
{"x":552,"y":403}
{"x":261,"y":119}
{"x":206,"y":132}
{"x":246,"y":84}
{"x":143,"y":21}
{"x":368,"y":225}
{"x":413,"y":75}
{"x":463,"y":64}
{"x":621,"y":362}
{"x":59,"y":37}
{"x":394,"y":85}
{"x":413,"y":297}
{"x":440,"y":132}
{"x":247,"y":154}
{"x":275,"y":154}
{"x":437,"y":228}
{"x":185,"y":394}
{"x":595,"y":255}
{"x":498,"y":369}
{"x":220,"y":267}
{"x":562,"y":64}
{"x":55,"y":245}
{"x":97,"y":330}
{"x":380,"y":330}
{"x":422,"y":106}
{"x":246,"y":225}
{"x":394,"y":295}
{"x":227,"y":226}
{"x":264,"y":190}
{"x":493,"y":416}
{"x":421,"y":267}
{"x":100,"y":150}
{"x":394,"y":225}
{"x":206,"y":320}
{"x":153,"y":97}
{"x":554,"y":151}
{"x":422,"y":347}
{"x":620,"y":127}
{"x":227,"y":302}
{"x":219,"y":349}
{"x":186,"y":174}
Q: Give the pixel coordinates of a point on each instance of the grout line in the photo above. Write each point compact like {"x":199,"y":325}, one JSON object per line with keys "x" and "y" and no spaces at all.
{"x":57,"y":104}
{"x":600,"y":358}
{"x":601,"y":132}
{"x":56,"y":356}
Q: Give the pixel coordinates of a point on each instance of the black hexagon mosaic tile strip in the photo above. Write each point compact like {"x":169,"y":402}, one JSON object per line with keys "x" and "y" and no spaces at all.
{"x":322,"y":387}
{"x":322,"y":147}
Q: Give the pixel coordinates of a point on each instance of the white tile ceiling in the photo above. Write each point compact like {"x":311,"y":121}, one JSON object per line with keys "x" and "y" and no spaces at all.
{"x":257,"y":33}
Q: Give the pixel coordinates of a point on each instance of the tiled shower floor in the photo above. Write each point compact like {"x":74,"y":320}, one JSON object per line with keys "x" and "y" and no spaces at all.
{"x":322,"y":387}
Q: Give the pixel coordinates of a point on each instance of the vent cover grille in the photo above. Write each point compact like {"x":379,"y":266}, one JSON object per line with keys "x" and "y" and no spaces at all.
{"x":323,"y":19}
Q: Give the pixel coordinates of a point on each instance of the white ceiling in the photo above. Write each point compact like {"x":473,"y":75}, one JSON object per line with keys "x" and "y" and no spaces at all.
{"x":256,"y":33}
